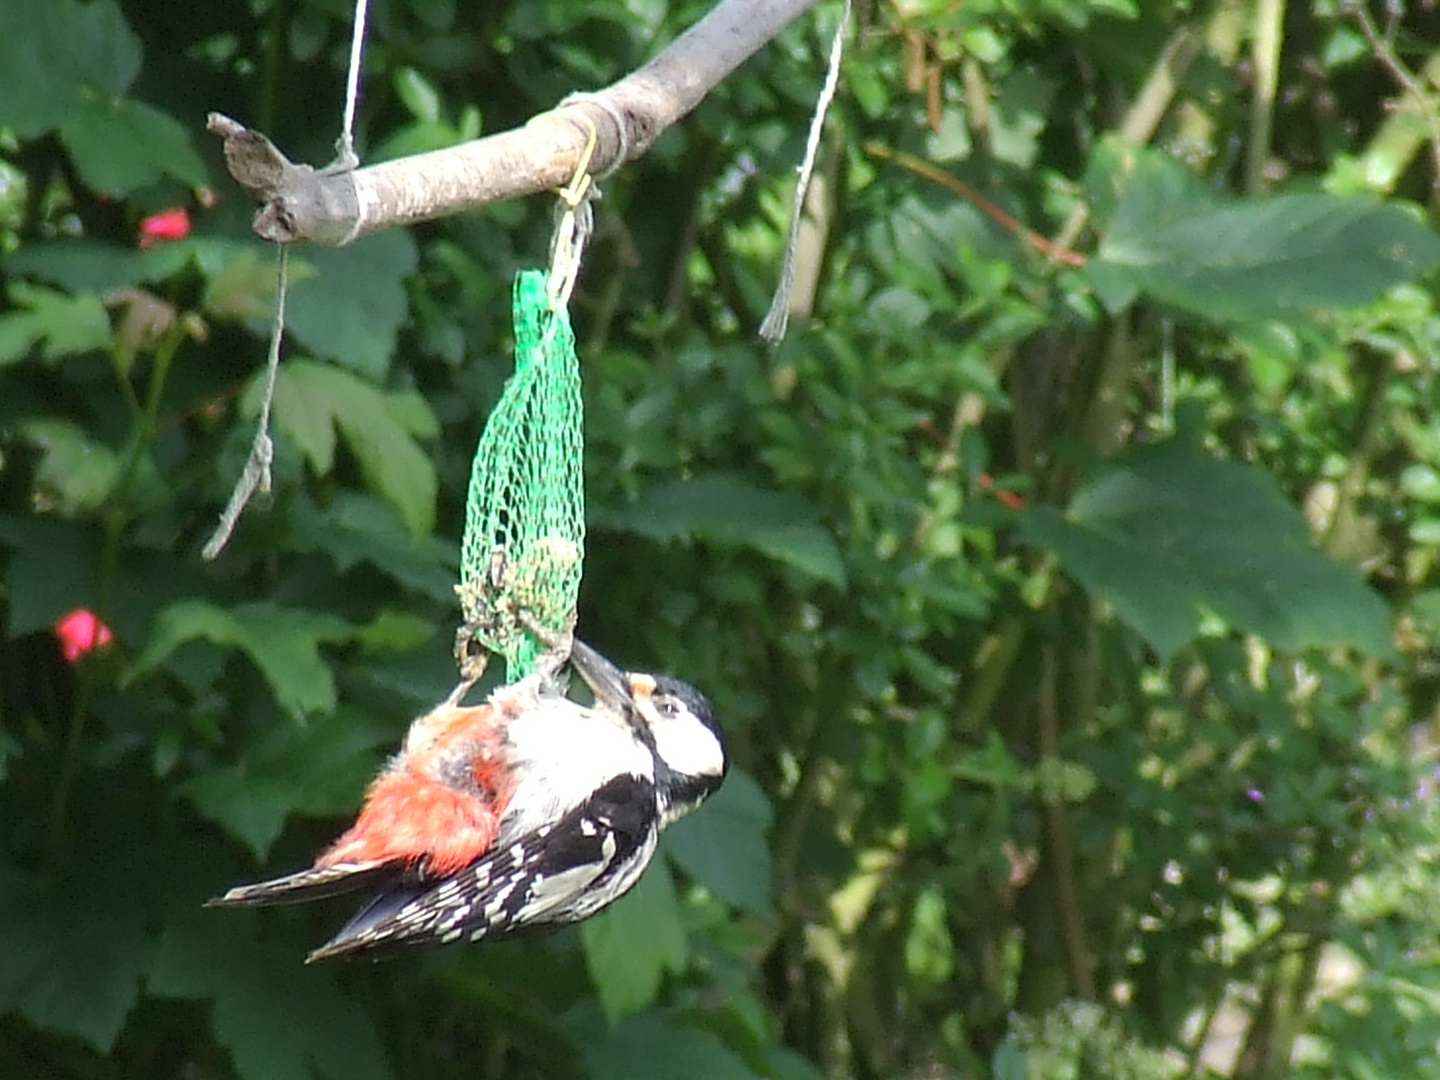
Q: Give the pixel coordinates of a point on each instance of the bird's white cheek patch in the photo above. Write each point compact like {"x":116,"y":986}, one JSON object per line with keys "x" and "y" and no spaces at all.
{"x":689,"y":748}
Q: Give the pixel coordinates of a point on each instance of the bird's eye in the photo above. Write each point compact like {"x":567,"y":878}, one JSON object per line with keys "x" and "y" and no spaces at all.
{"x":669,"y":708}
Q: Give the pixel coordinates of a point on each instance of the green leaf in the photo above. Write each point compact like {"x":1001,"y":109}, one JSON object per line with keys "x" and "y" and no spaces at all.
{"x":250,"y":808}
{"x":93,"y":266}
{"x":56,"y":52}
{"x":730,"y":510}
{"x":313,"y":399}
{"x":280,"y":1019}
{"x":73,"y":955}
{"x":67,"y":66}
{"x":319,"y":769}
{"x":654,"y":1046}
{"x":995,"y":766}
{"x":284,"y":644}
{"x":1138,"y":188}
{"x":66,"y":324}
{"x":929,"y":950}
{"x":77,"y":473}
{"x":1421,"y":482}
{"x":1167,"y":534}
{"x":304,"y":409}
{"x":120,"y":145}
{"x":356,"y":527}
{"x":1010,"y":1062}
{"x":1058,"y":780}
{"x":51,"y":571}
{"x":418,"y":94}
{"x":240,"y":280}
{"x":1256,"y":259}
{"x":352,"y":308}
{"x":631,"y":944}
{"x":723,"y":844}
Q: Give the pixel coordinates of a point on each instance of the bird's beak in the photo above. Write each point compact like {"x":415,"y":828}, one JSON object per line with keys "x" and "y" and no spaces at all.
{"x":609,"y":684}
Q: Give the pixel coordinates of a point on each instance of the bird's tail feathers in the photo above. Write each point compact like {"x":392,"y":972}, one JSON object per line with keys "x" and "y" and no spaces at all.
{"x":315,"y":883}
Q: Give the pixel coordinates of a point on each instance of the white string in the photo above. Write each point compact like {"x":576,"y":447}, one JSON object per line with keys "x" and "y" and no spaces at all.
{"x":257,"y":476}
{"x":773,"y":327}
{"x":573,"y":226}
{"x":262,"y":451}
{"x":346,"y":146}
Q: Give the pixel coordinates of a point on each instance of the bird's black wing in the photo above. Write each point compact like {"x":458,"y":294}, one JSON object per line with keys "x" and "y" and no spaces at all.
{"x":315,"y":883}
{"x":561,"y":873}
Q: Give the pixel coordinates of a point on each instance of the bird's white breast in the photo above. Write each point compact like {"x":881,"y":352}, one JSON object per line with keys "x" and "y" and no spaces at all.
{"x":562,"y":752}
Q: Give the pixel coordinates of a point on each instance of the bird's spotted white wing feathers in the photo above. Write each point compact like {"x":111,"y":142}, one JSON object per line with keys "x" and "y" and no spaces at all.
{"x":559,"y":873}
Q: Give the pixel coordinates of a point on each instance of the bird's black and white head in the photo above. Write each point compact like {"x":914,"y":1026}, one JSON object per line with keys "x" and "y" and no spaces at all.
{"x":675,"y":720}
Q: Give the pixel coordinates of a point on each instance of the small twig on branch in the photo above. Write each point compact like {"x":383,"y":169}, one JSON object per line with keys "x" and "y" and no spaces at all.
{"x":921,"y":167}
{"x":330,"y":206}
{"x":1418,"y":96}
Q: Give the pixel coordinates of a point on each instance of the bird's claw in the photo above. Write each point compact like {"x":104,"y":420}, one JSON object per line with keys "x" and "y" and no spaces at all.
{"x":557,"y":645}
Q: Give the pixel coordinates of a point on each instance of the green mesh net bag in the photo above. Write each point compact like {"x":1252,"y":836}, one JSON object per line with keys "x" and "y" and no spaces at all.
{"x":525,"y":512}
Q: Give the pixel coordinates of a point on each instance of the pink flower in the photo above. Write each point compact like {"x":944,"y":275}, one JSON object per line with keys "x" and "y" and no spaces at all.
{"x":172,"y":224}
{"x":81,"y":632}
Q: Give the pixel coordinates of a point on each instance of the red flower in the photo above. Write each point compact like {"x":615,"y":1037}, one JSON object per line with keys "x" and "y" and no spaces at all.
{"x":81,"y":632}
{"x":172,"y":224}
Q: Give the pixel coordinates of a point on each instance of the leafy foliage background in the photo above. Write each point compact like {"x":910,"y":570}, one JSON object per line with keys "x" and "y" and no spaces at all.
{"x":1073,"y":617}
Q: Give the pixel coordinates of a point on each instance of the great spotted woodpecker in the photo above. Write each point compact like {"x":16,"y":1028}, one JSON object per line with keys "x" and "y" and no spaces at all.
{"x":524,"y":812}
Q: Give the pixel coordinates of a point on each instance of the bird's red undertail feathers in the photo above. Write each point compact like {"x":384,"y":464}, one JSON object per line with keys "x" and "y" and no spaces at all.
{"x":438,"y":805}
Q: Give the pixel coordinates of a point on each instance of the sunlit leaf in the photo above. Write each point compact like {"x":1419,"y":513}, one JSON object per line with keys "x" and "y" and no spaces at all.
{"x":64,"y":324}
{"x":732,"y":511}
{"x":1257,"y":259}
{"x":284,"y":643}
{"x":312,"y":400}
{"x":929,"y":950}
{"x":77,"y":472}
{"x":1167,"y":534}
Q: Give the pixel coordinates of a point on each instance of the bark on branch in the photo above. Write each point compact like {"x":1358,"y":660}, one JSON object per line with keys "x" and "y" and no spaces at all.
{"x":333,"y":206}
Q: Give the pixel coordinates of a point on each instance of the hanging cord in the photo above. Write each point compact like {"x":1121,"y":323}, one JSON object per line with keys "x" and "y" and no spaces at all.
{"x":773,"y":327}
{"x":256,"y":475}
{"x":262,"y":451}
{"x":346,"y":158}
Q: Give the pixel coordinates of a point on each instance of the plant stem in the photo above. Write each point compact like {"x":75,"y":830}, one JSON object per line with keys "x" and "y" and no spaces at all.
{"x":1265,"y":56}
{"x":115,"y":520}
{"x":1143,"y":117}
{"x":1374,"y":369}
{"x":1059,"y":847}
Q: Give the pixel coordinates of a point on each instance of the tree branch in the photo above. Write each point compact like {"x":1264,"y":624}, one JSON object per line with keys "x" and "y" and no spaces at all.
{"x":332,"y":206}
